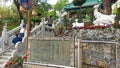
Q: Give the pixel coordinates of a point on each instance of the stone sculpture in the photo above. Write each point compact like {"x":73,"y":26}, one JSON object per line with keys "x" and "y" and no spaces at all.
{"x":76,"y":24}
{"x":102,"y":19}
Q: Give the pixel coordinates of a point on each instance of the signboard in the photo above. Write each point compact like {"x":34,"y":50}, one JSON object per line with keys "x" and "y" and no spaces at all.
{"x":51,"y":50}
{"x":26,"y":4}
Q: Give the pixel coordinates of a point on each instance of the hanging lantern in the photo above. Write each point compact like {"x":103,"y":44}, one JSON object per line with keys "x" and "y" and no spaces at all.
{"x":22,"y":9}
{"x":34,"y":13}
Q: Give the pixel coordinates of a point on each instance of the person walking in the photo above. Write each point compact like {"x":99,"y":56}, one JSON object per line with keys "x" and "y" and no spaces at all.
{"x":16,"y":39}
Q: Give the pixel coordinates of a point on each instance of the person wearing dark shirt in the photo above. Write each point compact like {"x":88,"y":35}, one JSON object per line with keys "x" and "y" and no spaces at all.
{"x":50,"y":21}
{"x":16,"y":39}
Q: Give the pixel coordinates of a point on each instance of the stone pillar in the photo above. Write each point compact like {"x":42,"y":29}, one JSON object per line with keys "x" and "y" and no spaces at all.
{"x":4,"y":37}
{"x":43,"y":27}
{"x":22,"y":23}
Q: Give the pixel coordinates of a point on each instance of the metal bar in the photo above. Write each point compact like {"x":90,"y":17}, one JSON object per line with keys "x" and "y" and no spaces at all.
{"x":89,"y":41}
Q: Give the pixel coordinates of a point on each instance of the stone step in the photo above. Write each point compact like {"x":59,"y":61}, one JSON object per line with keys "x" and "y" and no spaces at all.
{"x":11,"y":49}
{"x":5,"y":57}
{"x":1,"y":66}
{"x":8,"y":53}
{"x":2,"y":61}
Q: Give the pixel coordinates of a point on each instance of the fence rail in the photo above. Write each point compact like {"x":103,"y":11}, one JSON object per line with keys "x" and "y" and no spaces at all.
{"x":41,"y":65}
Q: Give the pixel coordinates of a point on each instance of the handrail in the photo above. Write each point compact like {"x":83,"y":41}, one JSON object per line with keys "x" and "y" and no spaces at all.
{"x":34,"y":29}
{"x":13,"y":30}
{"x":94,"y":41}
{"x":48,"y":27}
{"x":6,"y":37}
{"x":48,"y":65}
{"x":39,"y":28}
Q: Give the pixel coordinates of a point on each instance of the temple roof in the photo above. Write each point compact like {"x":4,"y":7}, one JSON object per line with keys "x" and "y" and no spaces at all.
{"x":88,"y":3}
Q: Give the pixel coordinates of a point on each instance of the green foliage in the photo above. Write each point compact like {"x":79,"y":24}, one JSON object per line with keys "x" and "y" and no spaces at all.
{"x":9,"y":15}
{"x":60,"y":5}
{"x":60,"y":26}
{"x":53,"y":14}
{"x":78,"y":2}
{"x":12,"y":25}
{"x":42,"y":8}
{"x":16,"y":59}
{"x":115,"y":10}
{"x":59,"y":30}
{"x":35,"y":19}
{"x":66,"y":21}
{"x":81,"y":14}
{"x":117,"y":19}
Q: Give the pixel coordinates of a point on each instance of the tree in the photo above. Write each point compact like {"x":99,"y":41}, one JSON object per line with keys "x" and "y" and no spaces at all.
{"x":78,"y":2}
{"x":107,"y":6}
{"x":16,"y":2}
{"x":42,"y":7}
{"x":60,"y":5}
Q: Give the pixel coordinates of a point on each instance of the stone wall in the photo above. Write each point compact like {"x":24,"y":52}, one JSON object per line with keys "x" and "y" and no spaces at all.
{"x":100,"y":53}
{"x":109,"y":34}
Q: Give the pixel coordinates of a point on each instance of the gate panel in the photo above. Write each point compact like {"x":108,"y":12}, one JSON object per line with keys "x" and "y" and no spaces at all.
{"x":51,"y":50}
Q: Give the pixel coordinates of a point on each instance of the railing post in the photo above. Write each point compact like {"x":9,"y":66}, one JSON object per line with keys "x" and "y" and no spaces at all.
{"x":4,"y":38}
{"x":43,"y":29}
{"x":22,"y":23}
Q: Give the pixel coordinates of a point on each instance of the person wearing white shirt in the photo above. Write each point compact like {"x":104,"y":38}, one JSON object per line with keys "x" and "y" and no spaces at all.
{"x":22,"y":31}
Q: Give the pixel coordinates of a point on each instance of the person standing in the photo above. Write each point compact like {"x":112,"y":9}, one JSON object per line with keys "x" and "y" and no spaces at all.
{"x":36,"y":24}
{"x":22,"y":31}
{"x":50,"y":21}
